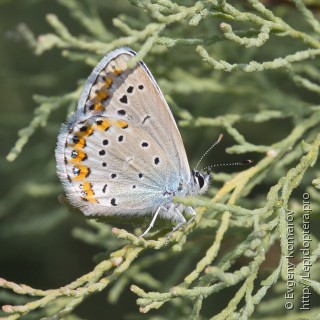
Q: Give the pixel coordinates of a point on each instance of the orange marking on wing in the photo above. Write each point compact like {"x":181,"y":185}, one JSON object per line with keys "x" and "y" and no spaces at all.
{"x":99,"y":107}
{"x":117,"y":71}
{"x":103,"y":124}
{"x":85,"y":133}
{"x":80,"y":172}
{"x":108,"y":83}
{"x":90,"y":199}
{"x":87,"y":188}
{"x":101,"y":94}
{"x":81,"y":142}
{"x":122,"y":124}
{"x":77,"y":156}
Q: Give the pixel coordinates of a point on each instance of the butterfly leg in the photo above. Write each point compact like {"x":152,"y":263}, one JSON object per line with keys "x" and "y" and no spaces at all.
{"x":190,"y":212}
{"x":178,"y":218}
{"x":153,"y":221}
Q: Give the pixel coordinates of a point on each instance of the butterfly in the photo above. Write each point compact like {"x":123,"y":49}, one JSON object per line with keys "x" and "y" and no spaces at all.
{"x":121,"y":153}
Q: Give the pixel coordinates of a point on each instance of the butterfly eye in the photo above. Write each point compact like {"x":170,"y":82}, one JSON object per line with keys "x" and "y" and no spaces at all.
{"x":200,"y":180}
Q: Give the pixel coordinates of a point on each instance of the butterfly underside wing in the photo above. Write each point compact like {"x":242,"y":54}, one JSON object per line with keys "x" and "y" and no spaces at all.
{"x":121,"y":153}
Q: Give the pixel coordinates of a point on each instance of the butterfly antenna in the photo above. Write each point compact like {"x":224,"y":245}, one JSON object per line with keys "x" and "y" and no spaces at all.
{"x":239,"y":163}
{"x":211,"y":147}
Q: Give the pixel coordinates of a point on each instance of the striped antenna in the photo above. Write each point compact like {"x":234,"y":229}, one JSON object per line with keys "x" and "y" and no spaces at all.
{"x":211,"y":147}
{"x":239,"y":163}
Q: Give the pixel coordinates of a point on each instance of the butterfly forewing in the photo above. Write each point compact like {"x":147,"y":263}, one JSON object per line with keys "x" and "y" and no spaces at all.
{"x":121,"y":152}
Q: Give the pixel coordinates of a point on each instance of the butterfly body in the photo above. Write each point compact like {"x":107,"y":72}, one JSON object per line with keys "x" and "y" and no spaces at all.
{"x":121,"y":153}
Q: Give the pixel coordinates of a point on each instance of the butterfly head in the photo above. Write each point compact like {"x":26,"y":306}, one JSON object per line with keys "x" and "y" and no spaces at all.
{"x":199,"y":182}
